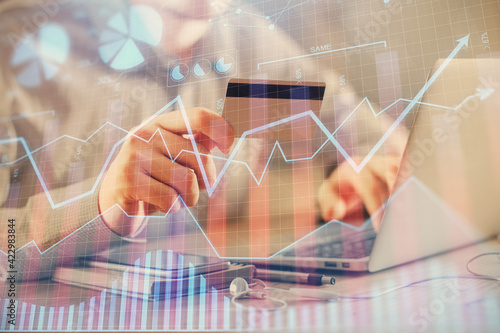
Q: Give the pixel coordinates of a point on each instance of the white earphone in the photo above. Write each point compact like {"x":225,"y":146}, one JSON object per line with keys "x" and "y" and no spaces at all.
{"x":239,"y":288}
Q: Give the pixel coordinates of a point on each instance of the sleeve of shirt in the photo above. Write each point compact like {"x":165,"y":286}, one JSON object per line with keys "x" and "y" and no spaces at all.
{"x":69,"y":232}
{"x":44,"y":235}
{"x":48,"y":232}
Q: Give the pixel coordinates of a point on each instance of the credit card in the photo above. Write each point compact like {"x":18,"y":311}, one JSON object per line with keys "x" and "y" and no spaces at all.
{"x":261,"y":108}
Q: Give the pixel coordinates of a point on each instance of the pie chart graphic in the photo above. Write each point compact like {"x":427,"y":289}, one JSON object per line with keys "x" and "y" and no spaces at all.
{"x":179,"y":72}
{"x":224,"y":64}
{"x":38,"y":58}
{"x":202,"y":68}
{"x":121,"y":43}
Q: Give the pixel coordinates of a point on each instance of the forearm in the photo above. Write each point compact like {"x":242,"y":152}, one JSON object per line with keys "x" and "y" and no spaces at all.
{"x":49,"y":237}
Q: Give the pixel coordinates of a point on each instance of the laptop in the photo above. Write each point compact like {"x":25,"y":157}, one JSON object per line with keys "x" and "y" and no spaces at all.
{"x":447,"y":189}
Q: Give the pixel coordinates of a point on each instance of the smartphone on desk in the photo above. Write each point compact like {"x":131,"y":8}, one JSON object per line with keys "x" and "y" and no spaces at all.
{"x":165,"y":264}
{"x":132,"y":283}
{"x":154,"y":274}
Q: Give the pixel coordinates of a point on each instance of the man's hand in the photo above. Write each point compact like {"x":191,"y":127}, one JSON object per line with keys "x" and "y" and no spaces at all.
{"x":144,"y":179}
{"x":345,"y":191}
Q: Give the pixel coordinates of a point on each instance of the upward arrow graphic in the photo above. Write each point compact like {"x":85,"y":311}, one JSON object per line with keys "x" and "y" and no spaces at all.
{"x":483,"y":93}
{"x":462,"y":42}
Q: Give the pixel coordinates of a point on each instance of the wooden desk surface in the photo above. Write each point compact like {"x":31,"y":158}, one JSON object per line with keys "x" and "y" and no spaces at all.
{"x":454,"y":305}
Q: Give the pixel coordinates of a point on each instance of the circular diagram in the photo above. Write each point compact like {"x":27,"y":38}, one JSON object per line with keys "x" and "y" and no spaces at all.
{"x":202,"y":68}
{"x":179,"y":72}
{"x":224,"y":64}
{"x":120,"y":43}
{"x":39,"y":57}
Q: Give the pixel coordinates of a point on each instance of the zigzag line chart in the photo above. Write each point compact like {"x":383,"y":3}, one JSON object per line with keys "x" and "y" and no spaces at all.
{"x":481,"y":93}
{"x":394,"y":196}
{"x":129,"y":311}
{"x":132,"y":314}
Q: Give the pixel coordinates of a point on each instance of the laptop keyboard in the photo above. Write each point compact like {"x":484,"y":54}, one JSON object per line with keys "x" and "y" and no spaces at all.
{"x":354,"y":247}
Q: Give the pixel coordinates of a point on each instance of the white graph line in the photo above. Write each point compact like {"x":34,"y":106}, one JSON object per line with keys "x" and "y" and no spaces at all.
{"x":367,"y":222}
{"x":323,"y":52}
{"x":60,"y":138}
{"x":27,"y":115}
{"x":482,"y":94}
{"x":283,"y":10}
{"x":411,"y":180}
{"x":462,"y":42}
{"x":210,"y":190}
{"x":29,"y":154}
{"x":273,"y":18}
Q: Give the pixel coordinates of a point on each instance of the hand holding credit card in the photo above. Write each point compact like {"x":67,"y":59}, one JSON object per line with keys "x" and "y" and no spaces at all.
{"x":260,"y":105}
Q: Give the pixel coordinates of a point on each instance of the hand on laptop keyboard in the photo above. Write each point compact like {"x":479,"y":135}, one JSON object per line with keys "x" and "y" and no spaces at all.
{"x":342,"y":196}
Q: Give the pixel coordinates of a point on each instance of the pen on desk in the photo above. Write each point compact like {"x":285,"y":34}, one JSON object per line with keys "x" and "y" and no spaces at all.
{"x":294,"y":277}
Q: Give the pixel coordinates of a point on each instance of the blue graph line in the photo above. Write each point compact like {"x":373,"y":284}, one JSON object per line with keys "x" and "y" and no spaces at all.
{"x":482,"y":93}
{"x":323,"y":52}
{"x":273,"y":17}
{"x":211,"y":189}
{"x":283,"y":10}
{"x":356,"y":167}
{"x":60,"y":138}
{"x":108,"y":159}
{"x":27,"y":115}
{"x":462,"y":42}
{"x":363,"y":226}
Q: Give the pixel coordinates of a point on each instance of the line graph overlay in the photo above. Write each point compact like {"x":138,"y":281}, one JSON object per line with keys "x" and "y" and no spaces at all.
{"x":272,"y":18}
{"x":27,"y":115}
{"x":462,"y":42}
{"x":211,"y":189}
{"x":482,"y":93}
{"x":29,"y":155}
{"x":323,"y":52}
{"x":411,"y":181}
